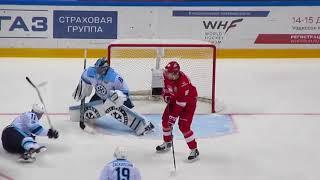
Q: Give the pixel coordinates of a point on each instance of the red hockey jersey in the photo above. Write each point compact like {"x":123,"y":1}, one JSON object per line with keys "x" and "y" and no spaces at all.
{"x":179,"y":92}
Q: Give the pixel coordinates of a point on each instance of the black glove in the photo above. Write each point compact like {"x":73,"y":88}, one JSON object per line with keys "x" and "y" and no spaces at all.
{"x":82,"y":125}
{"x":33,"y":137}
{"x":52,"y":133}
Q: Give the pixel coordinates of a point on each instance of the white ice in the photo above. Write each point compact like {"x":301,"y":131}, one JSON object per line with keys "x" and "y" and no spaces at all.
{"x":274,"y":103}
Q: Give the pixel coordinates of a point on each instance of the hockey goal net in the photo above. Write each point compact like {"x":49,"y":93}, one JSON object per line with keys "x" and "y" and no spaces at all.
{"x":141,"y":62}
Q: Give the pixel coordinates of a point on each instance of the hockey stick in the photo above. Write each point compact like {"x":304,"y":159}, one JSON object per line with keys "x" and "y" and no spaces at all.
{"x":173,"y":154}
{"x":82,"y":105}
{"x":40,"y":97}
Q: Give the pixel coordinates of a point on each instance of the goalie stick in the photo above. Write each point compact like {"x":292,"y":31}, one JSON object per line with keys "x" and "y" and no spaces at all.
{"x":82,"y":105}
{"x":40,"y":97}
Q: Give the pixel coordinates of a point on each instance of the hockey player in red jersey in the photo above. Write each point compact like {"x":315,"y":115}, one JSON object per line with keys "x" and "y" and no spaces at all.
{"x":181,"y":98}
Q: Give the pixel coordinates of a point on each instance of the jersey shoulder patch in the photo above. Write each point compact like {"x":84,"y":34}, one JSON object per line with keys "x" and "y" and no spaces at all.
{"x":91,"y":72}
{"x":120,"y":79}
{"x":111,"y":75}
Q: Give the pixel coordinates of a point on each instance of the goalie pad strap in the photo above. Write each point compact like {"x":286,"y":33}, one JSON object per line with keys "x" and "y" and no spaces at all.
{"x":134,"y":120}
{"x":137,"y":126}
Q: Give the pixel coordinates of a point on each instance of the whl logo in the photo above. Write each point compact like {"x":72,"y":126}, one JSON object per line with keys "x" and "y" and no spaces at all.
{"x":225,"y":25}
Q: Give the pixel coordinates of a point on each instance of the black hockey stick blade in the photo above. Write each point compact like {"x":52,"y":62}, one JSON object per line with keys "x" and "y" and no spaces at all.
{"x":28,"y":79}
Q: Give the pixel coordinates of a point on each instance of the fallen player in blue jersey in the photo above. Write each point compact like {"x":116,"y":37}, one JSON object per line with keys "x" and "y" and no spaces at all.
{"x":19,"y":136}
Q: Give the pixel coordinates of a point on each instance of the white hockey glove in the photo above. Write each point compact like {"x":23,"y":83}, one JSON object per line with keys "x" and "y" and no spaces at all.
{"x":83,"y":90}
{"x":117,"y":97}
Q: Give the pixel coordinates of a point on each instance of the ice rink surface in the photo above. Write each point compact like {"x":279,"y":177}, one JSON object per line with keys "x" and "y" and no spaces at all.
{"x":274,"y":105}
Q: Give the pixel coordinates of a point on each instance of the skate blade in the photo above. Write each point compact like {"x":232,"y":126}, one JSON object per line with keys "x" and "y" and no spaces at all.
{"x":148,"y":132}
{"x":193,"y":160}
{"x":42,"y":149}
{"x":163,"y":151}
{"x":29,"y":160}
{"x":39,"y":150}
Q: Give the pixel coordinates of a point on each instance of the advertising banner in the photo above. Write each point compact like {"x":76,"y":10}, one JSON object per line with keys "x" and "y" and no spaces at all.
{"x":85,"y":24}
{"x":217,"y":26}
{"x":24,"y":23}
{"x":252,"y":27}
{"x":304,"y":28}
{"x":288,"y":39}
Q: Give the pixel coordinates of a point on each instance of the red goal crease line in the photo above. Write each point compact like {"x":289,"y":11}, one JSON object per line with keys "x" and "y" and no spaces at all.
{"x":231,"y":114}
{"x":5,"y":177}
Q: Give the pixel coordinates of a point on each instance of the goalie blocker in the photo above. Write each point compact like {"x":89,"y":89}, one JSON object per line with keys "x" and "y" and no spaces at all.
{"x":96,"y":109}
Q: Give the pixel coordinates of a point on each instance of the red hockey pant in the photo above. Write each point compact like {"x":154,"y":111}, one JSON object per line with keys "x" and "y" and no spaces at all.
{"x":185,"y":120}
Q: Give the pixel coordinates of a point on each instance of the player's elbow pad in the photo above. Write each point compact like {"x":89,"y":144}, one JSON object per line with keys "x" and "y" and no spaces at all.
{"x":83,"y":90}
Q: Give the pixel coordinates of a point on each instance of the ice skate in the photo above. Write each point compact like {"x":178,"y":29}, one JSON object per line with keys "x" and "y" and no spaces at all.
{"x":26,"y":158}
{"x":145,"y":129}
{"x":149,"y":128}
{"x":166,"y":146}
{"x":29,"y":156}
{"x":194,"y":155}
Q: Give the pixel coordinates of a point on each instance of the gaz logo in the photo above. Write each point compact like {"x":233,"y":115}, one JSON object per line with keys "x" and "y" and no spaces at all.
{"x":118,"y":113}
{"x":12,"y":23}
{"x":91,"y":113}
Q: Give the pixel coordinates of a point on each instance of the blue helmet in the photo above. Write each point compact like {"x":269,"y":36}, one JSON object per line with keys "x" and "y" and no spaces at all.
{"x":101,"y":62}
{"x":101,"y":65}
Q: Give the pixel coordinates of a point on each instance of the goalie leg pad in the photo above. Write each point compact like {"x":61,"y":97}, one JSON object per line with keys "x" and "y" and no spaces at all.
{"x":93,"y":110}
{"x":138,"y":123}
{"x":144,"y":129}
{"x":82,"y":90}
{"x":140,"y":127}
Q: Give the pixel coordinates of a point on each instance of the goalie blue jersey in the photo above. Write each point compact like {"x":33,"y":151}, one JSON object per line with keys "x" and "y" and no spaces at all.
{"x":120,"y":169}
{"x":104,"y":83}
{"x":28,"y":124}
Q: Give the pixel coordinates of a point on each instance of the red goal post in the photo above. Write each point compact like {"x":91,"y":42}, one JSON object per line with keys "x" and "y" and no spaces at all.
{"x":137,"y":60}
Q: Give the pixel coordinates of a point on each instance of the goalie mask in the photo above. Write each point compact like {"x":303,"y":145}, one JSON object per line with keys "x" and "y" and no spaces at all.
{"x":102,"y":66}
{"x":172,"y":70}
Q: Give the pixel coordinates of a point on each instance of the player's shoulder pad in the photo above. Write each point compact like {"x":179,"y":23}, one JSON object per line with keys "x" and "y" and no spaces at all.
{"x":32,"y":116}
{"x":184,"y":80}
{"x":111,"y":75}
{"x":91,"y":72}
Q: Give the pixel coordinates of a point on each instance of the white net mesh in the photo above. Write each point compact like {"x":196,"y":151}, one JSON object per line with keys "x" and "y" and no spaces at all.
{"x":135,"y":61}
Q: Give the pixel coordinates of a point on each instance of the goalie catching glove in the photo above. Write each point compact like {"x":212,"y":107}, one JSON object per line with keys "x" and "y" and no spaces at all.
{"x":83,"y":90}
{"x":117,"y":97}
